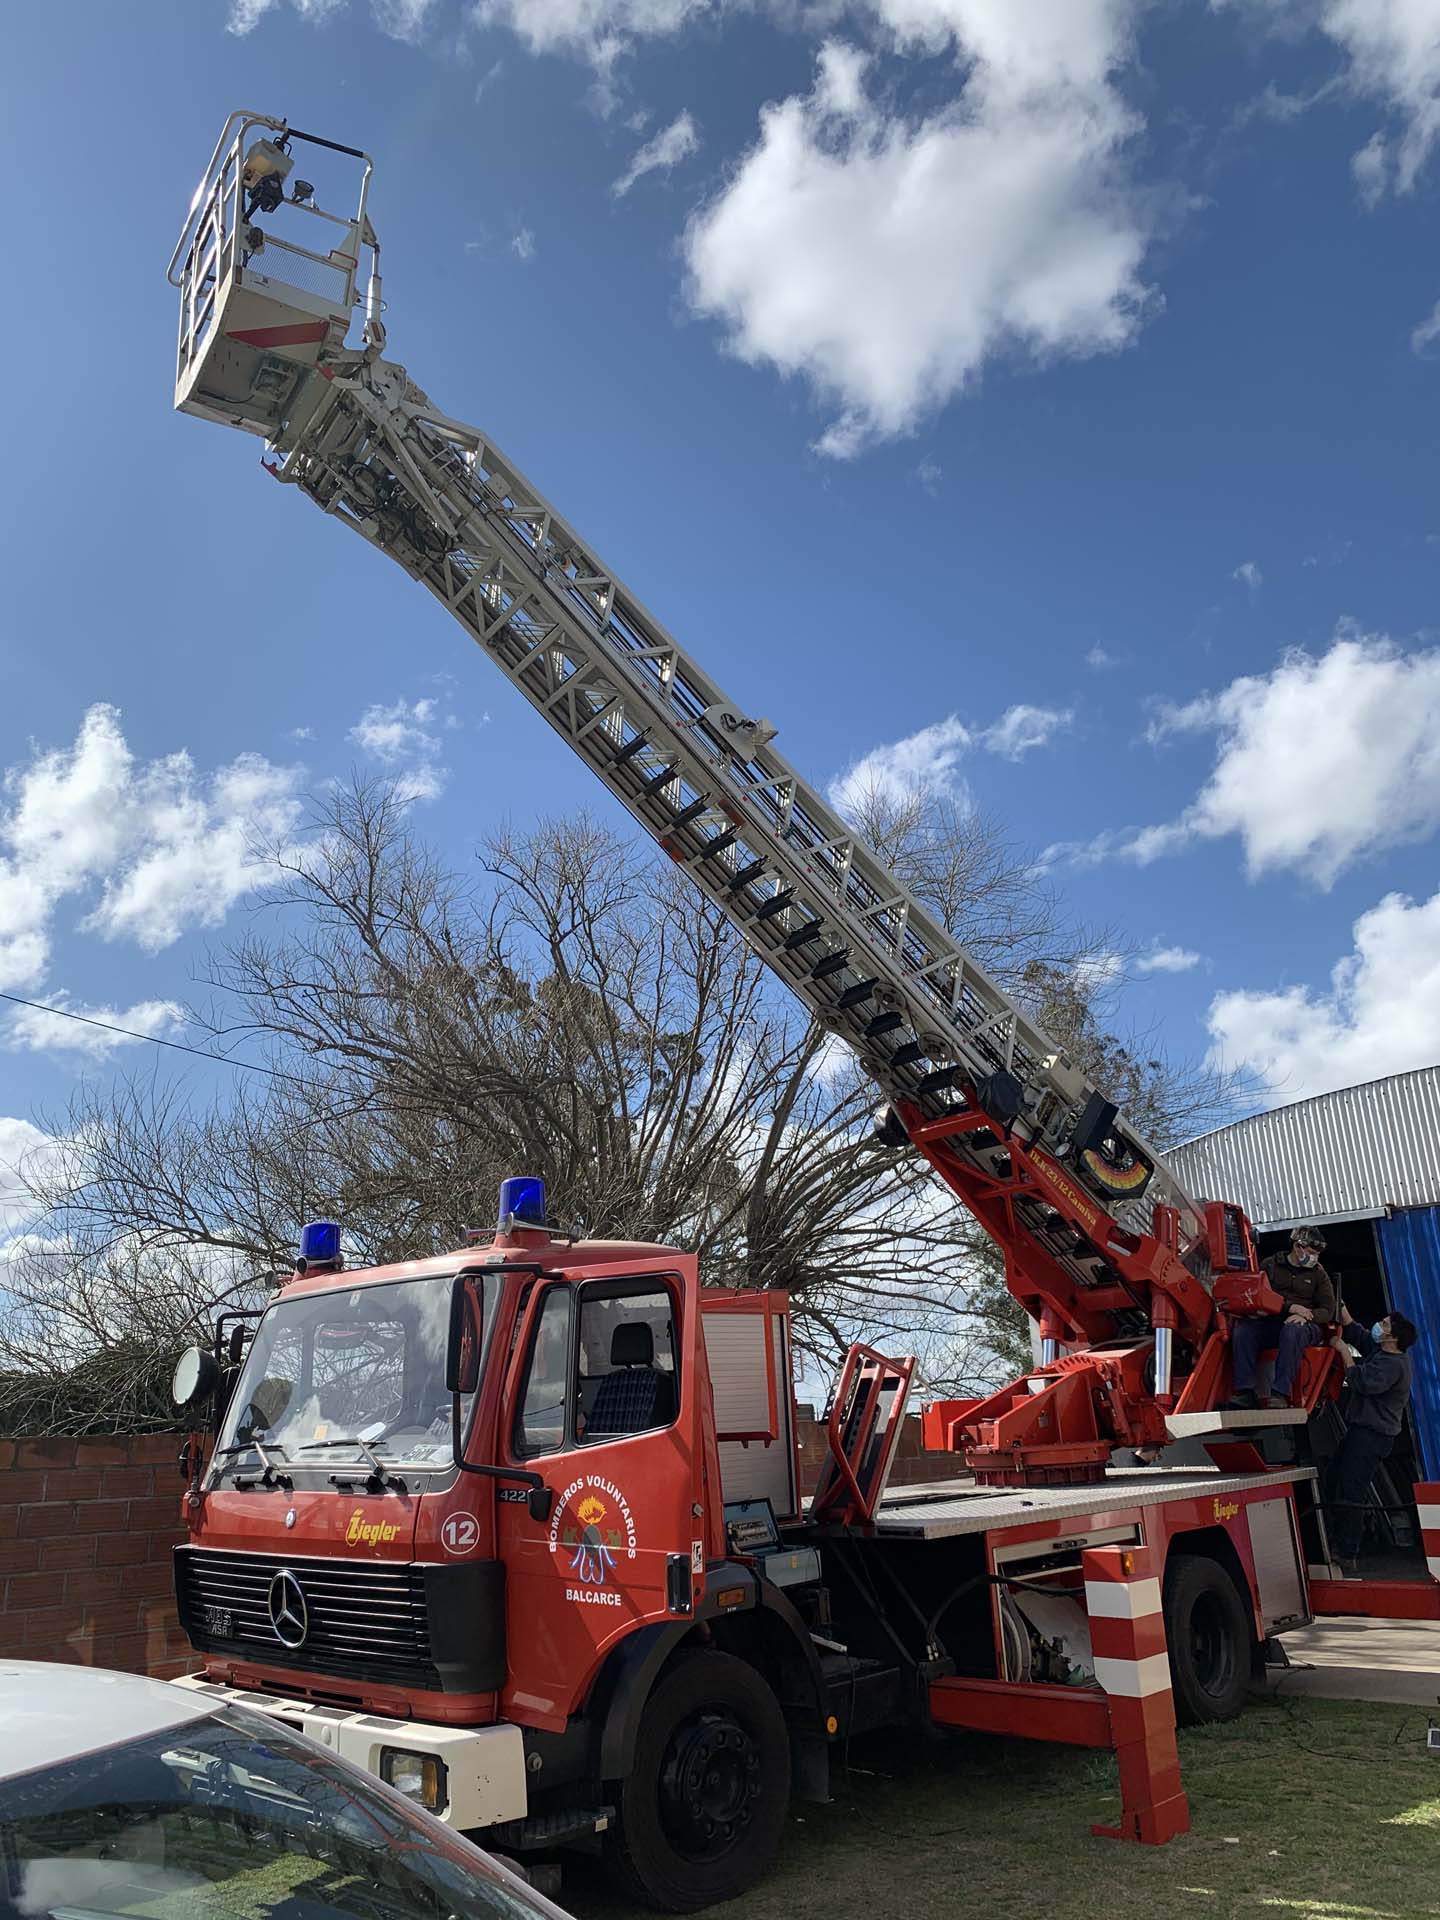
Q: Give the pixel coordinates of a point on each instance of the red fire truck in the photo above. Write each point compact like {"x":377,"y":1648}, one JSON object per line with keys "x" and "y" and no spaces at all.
{"x":519,"y":1528}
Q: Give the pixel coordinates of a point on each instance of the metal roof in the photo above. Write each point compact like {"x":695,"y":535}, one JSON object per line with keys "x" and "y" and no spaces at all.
{"x":1347,"y":1155}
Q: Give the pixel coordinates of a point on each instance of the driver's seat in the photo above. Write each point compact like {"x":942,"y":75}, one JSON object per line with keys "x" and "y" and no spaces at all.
{"x":636,"y":1395}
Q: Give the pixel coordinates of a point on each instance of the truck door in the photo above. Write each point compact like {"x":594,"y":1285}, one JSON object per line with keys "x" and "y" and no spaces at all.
{"x":602,"y":1406}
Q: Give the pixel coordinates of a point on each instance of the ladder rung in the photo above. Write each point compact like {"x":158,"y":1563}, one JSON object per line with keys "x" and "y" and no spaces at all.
{"x":938,"y":1079}
{"x":907,"y":1055}
{"x":631,"y":748}
{"x":811,"y":930}
{"x":719,"y":843}
{"x":883,"y":1023}
{"x":692,"y":812}
{"x":777,"y":903}
{"x":831,"y":963}
{"x":852,"y":996}
{"x":659,"y":780}
{"x":746,"y":875}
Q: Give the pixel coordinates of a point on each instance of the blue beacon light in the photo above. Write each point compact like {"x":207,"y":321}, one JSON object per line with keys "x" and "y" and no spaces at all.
{"x":320,"y":1243}
{"x":522,"y":1202}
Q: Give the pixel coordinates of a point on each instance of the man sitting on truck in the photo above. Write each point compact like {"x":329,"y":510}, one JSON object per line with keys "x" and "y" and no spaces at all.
{"x":1377,"y":1387}
{"x":1309,"y":1296}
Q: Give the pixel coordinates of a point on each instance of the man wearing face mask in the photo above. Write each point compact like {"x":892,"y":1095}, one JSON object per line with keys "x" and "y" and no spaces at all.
{"x":1378,"y":1386}
{"x":1309,"y":1296}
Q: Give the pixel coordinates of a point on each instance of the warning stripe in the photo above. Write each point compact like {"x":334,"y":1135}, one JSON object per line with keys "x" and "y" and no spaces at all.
{"x":1134,"y":1679}
{"x":1427,"y":1497}
{"x":1132,"y":1600}
{"x":1127,"y":1639}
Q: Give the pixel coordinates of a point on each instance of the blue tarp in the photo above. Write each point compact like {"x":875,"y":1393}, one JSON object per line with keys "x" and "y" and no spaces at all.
{"x":1410,"y":1249}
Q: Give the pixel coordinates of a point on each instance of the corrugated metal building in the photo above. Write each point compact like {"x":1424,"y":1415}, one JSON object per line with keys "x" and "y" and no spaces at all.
{"x":1364,"y":1164}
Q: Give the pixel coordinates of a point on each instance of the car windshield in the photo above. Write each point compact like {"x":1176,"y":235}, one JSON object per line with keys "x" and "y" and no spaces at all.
{"x":332,"y":1374}
{"x":232,"y":1817}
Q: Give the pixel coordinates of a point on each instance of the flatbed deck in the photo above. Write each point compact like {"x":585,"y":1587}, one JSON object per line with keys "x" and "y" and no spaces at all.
{"x":949,"y":1507}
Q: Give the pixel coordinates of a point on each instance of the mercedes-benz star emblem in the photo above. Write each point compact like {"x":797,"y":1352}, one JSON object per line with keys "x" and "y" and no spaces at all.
{"x":289,"y":1614}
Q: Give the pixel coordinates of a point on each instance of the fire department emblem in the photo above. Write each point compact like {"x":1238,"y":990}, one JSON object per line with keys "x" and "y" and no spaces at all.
{"x":593,"y":1528}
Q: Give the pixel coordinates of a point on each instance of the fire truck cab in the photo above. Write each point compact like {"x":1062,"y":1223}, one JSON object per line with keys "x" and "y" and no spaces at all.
{"x":462,"y":1514}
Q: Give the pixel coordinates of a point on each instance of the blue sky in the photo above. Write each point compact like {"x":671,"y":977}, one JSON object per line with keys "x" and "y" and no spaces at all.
{"x":1032,"y":396}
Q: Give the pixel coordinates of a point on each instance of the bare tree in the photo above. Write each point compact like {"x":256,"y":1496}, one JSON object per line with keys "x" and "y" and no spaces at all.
{"x":575,"y":1010}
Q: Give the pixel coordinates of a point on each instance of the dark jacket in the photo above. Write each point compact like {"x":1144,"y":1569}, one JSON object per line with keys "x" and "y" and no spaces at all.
{"x":1378,"y":1385}
{"x":1302,"y":1286}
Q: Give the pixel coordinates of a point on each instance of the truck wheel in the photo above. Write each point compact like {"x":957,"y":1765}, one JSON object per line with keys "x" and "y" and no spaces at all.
{"x":702,"y":1808}
{"x":1211,"y":1640}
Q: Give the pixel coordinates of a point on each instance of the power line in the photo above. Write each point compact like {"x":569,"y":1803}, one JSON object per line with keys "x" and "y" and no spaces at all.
{"x":154,"y":1039}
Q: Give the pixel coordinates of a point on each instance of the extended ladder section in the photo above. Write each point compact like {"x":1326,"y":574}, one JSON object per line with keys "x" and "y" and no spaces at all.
{"x":1093,"y":1224}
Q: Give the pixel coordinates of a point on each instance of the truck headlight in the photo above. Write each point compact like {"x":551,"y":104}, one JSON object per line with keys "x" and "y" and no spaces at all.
{"x":419,"y":1776}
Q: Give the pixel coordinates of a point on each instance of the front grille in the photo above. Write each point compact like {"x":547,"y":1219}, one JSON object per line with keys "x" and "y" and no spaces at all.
{"x":366,"y":1618}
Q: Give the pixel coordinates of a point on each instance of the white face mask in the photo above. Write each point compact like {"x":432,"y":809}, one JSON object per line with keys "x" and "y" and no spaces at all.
{"x":1378,"y":1331}
{"x":1303,"y":1257}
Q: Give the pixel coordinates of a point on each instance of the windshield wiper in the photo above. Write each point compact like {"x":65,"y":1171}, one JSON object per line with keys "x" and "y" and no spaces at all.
{"x":362,"y":1446}
{"x":270,"y":1478}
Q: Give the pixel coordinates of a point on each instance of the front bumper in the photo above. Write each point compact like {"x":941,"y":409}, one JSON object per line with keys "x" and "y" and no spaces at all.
{"x":484,"y":1766}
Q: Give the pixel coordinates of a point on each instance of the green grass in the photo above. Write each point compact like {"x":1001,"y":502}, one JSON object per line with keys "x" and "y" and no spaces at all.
{"x":1300,"y":1810}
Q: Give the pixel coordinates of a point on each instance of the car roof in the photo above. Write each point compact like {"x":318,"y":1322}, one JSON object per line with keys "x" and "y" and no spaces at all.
{"x":52,"y":1713}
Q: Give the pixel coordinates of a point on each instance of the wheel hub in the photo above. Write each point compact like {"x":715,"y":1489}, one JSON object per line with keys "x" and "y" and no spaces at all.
{"x":709,"y":1783}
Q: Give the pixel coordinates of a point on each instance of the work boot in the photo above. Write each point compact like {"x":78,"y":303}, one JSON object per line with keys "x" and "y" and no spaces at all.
{"x":1242,"y":1402}
{"x":1277,"y":1403}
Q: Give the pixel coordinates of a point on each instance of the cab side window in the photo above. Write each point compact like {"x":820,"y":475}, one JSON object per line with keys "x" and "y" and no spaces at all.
{"x":540,"y":1426}
{"x":626,"y":1369}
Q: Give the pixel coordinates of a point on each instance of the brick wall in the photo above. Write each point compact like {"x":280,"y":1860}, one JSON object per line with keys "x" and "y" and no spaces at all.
{"x":86,"y":1528}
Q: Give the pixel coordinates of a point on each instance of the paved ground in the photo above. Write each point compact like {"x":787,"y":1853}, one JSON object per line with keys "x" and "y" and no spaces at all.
{"x":1343,"y":1659}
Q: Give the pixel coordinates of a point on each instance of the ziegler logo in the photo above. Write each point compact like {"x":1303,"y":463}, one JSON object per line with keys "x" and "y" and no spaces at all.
{"x":1226,"y":1509}
{"x":369,"y":1533}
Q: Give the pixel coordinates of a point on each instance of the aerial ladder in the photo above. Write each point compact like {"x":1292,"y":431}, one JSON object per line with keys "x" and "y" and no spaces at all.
{"x":1131,"y":1281}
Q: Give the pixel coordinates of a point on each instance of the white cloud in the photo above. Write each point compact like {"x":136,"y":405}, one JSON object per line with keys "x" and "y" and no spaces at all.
{"x":301,"y":733}
{"x":889,"y":258}
{"x":1021,"y":728}
{"x":1319,"y":763}
{"x":402,"y":19}
{"x":834,"y":1063}
{"x":523,"y":244}
{"x":400,"y":738}
{"x":930,"y":473}
{"x":245,"y":15}
{"x":1099,"y":659}
{"x":596,"y":30}
{"x":1168,"y":960}
{"x":1095,"y":972}
{"x":1380,"y":1015}
{"x":667,"y":149}
{"x":1427,"y":332}
{"x":927,"y":761}
{"x":37,"y":1030}
{"x":1392,"y":55}
{"x":156,"y":847}
{"x":1249,"y":576}
{"x":23,"y":1148}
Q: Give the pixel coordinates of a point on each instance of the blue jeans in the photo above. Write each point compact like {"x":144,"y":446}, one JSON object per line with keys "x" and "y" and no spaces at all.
{"x":1250,"y":1338}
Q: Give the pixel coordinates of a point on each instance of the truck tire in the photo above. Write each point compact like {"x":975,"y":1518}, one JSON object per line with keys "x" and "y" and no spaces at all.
{"x":702,"y":1808}
{"x":1211,"y":1639}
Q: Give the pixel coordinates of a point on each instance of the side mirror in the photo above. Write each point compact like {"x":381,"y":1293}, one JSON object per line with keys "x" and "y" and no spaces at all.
{"x":462,"y":1353}
{"x":196,"y":1376}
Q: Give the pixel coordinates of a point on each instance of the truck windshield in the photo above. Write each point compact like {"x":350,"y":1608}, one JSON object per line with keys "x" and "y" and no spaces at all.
{"x":329,"y":1371}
